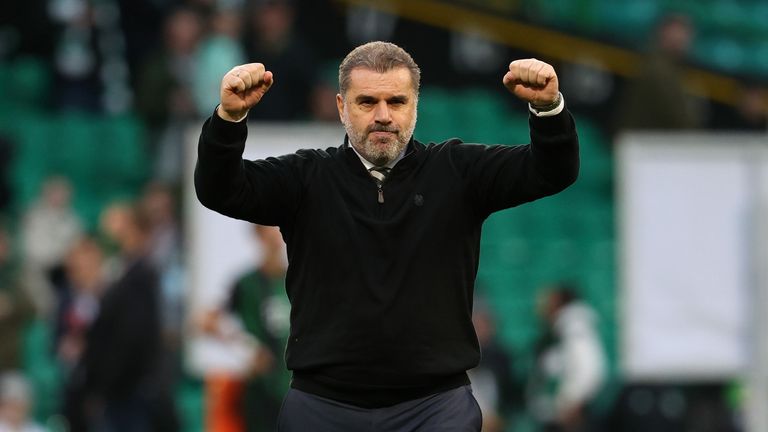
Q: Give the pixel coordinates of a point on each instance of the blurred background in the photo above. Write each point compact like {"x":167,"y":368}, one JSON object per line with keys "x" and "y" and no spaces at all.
{"x":633,"y":301}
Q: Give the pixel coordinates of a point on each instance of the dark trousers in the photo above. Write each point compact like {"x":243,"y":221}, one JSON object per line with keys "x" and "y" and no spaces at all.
{"x":451,"y":411}
{"x":125,"y":415}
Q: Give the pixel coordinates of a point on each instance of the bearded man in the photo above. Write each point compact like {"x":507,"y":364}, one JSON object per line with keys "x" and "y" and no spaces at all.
{"x":383,"y":238}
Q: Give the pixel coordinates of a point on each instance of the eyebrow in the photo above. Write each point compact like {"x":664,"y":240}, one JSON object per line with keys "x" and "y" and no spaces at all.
{"x":364,"y":99}
{"x":393,"y":99}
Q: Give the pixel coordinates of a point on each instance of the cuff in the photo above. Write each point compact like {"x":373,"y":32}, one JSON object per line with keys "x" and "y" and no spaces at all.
{"x":226,"y":130}
{"x":551,"y":124}
{"x":549,"y":112}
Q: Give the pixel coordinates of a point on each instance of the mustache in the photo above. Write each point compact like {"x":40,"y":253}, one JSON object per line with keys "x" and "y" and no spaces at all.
{"x":383,"y":128}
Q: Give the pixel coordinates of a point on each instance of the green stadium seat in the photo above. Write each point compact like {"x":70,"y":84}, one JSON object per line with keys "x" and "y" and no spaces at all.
{"x":104,"y":158}
{"x":123,"y":144}
{"x":436,"y":115}
{"x":759,"y":57}
{"x":29,"y":83}
{"x":631,"y":22}
{"x":41,"y":369}
{"x":484,"y":117}
{"x":73,"y":151}
{"x":31,"y":163}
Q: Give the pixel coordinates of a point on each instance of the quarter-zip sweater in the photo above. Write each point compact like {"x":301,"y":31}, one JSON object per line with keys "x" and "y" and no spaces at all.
{"x":381,"y":292}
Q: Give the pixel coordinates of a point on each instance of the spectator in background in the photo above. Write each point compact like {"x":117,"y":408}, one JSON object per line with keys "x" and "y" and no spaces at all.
{"x":78,"y":295}
{"x":164,"y":91}
{"x":570,"y":363}
{"x":90,"y":60}
{"x":50,"y":228}
{"x":219,"y":50}
{"x":76,"y":57}
{"x":164,"y":85}
{"x":121,"y":365}
{"x":493,"y":384}
{"x":15,"y":308}
{"x":656,"y":98}
{"x":141,"y":22}
{"x":79,"y":292}
{"x":272,"y":39}
{"x":158,"y":203}
{"x":16,"y":404}
{"x":259,"y":306}
{"x":259,"y":300}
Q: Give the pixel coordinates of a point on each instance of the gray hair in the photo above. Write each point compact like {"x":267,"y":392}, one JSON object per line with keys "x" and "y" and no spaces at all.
{"x":379,"y":57}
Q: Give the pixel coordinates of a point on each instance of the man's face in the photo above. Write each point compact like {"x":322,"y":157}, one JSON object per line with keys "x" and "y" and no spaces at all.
{"x":379,"y":113}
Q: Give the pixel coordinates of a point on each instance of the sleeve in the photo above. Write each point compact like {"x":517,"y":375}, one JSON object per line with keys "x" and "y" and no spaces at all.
{"x":505,"y":176}
{"x":263,"y":191}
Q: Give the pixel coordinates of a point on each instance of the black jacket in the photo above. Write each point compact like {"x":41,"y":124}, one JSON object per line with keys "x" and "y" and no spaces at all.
{"x":122,"y":352}
{"x":381,"y":293}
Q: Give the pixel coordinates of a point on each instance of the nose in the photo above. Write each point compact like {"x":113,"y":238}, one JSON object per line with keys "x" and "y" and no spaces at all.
{"x":382,"y":114}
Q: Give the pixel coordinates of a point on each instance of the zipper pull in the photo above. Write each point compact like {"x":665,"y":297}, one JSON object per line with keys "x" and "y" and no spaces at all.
{"x":381,"y":195}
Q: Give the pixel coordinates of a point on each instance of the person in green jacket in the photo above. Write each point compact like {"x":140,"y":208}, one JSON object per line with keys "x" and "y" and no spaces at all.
{"x":258,"y":298}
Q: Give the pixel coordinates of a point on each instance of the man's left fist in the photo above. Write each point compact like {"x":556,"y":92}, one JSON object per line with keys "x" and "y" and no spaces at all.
{"x":532,"y":81}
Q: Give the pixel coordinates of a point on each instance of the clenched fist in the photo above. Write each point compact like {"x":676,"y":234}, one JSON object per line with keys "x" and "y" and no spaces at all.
{"x":242,"y":88}
{"x":532,"y":81}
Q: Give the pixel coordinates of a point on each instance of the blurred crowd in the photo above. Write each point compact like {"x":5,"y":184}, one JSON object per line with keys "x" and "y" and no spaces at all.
{"x":112,"y":296}
{"x":110,"y":301}
{"x":163,"y":61}
{"x":165,"y":58}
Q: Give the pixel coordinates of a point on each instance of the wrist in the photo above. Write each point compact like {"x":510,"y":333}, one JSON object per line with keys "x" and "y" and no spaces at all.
{"x":543,"y":107}
{"x":224,"y":115}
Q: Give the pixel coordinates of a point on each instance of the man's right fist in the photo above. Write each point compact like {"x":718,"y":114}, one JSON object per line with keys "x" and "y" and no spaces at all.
{"x":241,"y":89}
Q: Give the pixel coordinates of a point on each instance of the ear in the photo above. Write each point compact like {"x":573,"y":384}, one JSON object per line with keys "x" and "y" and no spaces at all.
{"x":340,"y":106}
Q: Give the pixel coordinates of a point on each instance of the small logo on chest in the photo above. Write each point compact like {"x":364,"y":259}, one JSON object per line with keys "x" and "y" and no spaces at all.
{"x":418,"y":199}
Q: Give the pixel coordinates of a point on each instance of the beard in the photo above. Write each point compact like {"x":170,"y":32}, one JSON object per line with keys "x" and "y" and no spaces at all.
{"x":379,"y":150}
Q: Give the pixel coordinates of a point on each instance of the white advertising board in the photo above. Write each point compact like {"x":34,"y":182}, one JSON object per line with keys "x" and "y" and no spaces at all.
{"x":688,"y":218}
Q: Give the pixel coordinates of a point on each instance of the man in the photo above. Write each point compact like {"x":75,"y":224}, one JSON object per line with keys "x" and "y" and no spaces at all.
{"x":258,"y":299}
{"x":570,"y":363}
{"x":383,"y":236}
{"x":250,"y":400}
{"x":120,"y":372}
{"x":656,"y":98}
